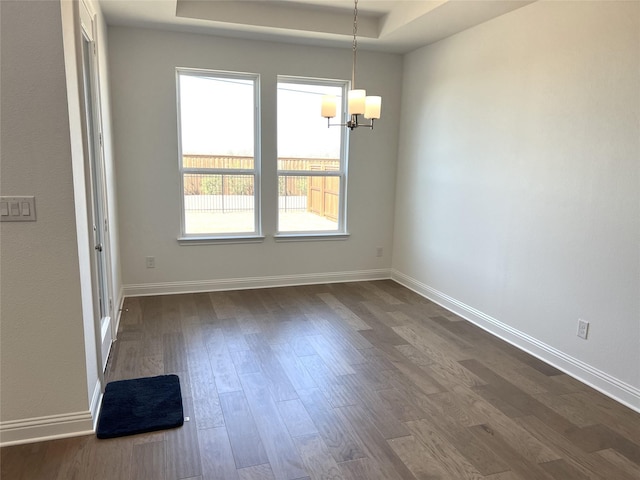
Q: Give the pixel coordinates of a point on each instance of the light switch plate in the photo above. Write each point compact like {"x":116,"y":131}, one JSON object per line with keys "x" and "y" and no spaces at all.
{"x":18,"y":209}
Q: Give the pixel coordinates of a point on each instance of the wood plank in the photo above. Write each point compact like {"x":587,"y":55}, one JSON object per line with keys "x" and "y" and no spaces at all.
{"x":147,"y":462}
{"x":375,"y":291}
{"x":620,"y":461}
{"x":245,"y":361}
{"x":475,"y":452}
{"x":206,"y":404}
{"x":446,"y":371}
{"x":449,"y":459}
{"x":336,"y":431}
{"x":375,"y":444}
{"x":109,"y":459}
{"x":72,"y":458}
{"x":151,"y":308}
{"x":589,"y":464}
{"x":332,"y":357}
{"x":559,"y":404}
{"x":283,"y":457}
{"x":414,"y":378}
{"x":344,"y":340}
{"x":384,"y":418}
{"x":362,"y":468}
{"x":606,"y":411}
{"x":250,"y":300}
{"x":600,"y":437}
{"x":131,"y":315}
{"x":279,"y":384}
{"x":302,"y":347}
{"x":379,"y":316}
{"x":350,"y":318}
{"x":217,"y":461}
{"x":373,"y":377}
{"x":175,"y":353}
{"x":233,"y":335}
{"x":223,"y":305}
{"x":247,"y":322}
{"x":182,"y":452}
{"x":188,"y":310}
{"x":296,"y":418}
{"x":383,"y":337}
{"x":562,"y":469}
{"x":259,"y":472}
{"x":417,"y":458}
{"x":293,"y":367}
{"x":504,"y":476}
{"x":23,"y":461}
{"x":127,"y":364}
{"x":171,"y":314}
{"x":468,"y":409}
{"x":515,"y":461}
{"x":330,"y":325}
{"x":151,"y":366}
{"x":246,"y":443}
{"x":222,"y":365}
{"x":204,"y":308}
{"x":397,"y":405}
{"x":332,"y":387}
{"x":316,"y":458}
{"x":429,"y":343}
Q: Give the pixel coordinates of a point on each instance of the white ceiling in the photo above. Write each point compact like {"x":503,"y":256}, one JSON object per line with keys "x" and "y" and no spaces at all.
{"x":393,"y":26}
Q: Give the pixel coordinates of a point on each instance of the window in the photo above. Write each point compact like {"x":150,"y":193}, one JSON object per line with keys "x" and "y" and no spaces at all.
{"x":312,"y":173}
{"x":219,"y":153}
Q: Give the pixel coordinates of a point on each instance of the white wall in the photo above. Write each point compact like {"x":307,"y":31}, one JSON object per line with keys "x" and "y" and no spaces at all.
{"x":518,"y":199}
{"x":142,"y":64}
{"x":43,"y":373}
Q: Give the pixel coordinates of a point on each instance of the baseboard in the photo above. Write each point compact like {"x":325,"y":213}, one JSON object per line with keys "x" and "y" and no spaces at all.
{"x":120,"y":304}
{"x":603,"y":382}
{"x":96,"y":401}
{"x":146,"y":289}
{"x":40,"y":429}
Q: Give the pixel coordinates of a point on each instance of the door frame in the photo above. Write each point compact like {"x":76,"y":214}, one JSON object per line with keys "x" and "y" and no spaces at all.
{"x":95,"y":185}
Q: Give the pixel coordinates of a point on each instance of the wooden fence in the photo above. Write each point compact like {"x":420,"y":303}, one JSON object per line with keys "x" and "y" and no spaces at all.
{"x":322,"y":193}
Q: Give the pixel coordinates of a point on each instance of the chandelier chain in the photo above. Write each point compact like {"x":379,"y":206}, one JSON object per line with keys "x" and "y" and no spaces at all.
{"x":355,"y":44}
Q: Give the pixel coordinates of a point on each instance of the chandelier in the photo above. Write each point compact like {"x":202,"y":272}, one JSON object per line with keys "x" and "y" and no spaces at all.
{"x":358,"y":101}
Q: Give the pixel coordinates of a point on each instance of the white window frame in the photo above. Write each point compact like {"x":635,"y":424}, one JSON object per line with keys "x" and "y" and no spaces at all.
{"x":341,"y":232}
{"x":232,"y":237}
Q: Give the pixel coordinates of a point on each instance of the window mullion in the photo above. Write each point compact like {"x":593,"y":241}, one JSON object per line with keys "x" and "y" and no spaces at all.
{"x":219,"y":171}
{"x":310,"y":173}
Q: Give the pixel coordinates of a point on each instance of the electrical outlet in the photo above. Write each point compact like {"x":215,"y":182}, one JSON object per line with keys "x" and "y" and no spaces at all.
{"x":583,"y":328}
{"x":379,"y":251}
{"x":151,"y":262}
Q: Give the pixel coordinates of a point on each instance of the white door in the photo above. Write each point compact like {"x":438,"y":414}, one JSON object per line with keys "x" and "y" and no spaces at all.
{"x":96,"y":192}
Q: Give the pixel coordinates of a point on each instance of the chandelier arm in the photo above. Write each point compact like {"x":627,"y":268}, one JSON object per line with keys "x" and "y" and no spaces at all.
{"x":351,"y":124}
{"x":355,"y":44}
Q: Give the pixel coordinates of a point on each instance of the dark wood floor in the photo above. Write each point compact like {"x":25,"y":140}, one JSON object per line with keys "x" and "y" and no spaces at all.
{"x":346,"y":381}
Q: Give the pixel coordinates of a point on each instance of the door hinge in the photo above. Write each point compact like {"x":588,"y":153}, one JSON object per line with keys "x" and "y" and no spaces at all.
{"x":100,"y":137}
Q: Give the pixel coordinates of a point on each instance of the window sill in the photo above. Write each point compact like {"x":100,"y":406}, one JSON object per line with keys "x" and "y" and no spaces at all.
{"x":309,"y":237}
{"x":205,"y":240}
